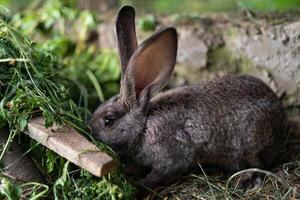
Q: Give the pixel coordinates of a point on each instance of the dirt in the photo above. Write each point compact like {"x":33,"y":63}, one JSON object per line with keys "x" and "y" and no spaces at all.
{"x":17,"y":166}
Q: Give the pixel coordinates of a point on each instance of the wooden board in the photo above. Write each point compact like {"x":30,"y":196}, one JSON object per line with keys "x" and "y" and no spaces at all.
{"x":68,"y":143}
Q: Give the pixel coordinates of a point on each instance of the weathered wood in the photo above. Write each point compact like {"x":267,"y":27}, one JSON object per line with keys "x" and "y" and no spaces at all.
{"x":69,"y":144}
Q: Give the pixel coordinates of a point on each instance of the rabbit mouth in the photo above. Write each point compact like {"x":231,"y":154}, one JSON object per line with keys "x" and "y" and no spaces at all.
{"x":95,"y":134}
{"x":118,"y":148}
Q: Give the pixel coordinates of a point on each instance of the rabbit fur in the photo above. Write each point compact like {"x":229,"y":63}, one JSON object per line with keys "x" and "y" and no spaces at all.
{"x":234,"y":122}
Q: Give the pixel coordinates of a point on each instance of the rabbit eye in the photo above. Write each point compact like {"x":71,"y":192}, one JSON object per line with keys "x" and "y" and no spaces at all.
{"x":108,"y":121}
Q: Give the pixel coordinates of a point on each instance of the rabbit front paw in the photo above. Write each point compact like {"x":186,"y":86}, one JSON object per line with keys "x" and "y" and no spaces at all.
{"x":157,"y":178}
{"x":151,"y":180}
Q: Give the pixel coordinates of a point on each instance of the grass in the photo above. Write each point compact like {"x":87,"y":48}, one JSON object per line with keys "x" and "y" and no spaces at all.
{"x":282,"y":183}
{"x":208,"y":6}
{"x":30,"y":85}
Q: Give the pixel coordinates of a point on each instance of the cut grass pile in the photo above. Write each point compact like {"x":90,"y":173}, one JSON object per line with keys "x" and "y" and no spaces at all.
{"x":31,"y":85}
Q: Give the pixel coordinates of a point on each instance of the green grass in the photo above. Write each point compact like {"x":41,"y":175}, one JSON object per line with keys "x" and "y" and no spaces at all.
{"x":207,"y":6}
{"x":33,"y":81}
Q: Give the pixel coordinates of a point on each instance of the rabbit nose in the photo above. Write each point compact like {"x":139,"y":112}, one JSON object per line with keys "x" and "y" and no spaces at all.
{"x":93,"y":127}
{"x":90,"y":124}
{"x":96,"y":134}
{"x":94,"y":121}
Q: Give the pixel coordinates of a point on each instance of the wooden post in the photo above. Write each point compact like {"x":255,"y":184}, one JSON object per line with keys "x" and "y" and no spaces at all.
{"x":68,"y":143}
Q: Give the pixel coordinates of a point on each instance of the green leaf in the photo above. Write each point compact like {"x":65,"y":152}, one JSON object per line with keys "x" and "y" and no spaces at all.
{"x":22,"y":123}
{"x":10,"y":190}
{"x":147,"y":23}
{"x":61,"y":182}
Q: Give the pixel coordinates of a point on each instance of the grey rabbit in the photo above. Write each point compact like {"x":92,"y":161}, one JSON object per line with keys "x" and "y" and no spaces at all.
{"x":235,"y":122}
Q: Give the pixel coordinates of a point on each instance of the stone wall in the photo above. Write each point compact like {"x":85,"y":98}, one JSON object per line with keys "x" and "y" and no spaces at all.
{"x":266,"y":46}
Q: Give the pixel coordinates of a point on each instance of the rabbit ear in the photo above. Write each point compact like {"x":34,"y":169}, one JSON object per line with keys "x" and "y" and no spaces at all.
{"x":151,"y":65}
{"x":127,"y":42}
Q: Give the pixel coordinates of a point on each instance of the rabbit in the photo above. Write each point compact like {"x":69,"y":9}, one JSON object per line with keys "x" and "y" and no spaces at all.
{"x":235,"y":122}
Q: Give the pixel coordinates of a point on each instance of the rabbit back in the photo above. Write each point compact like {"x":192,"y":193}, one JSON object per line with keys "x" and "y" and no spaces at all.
{"x":235,"y":122}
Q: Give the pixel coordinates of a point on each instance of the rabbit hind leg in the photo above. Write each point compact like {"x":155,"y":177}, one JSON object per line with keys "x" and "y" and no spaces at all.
{"x":252,"y":178}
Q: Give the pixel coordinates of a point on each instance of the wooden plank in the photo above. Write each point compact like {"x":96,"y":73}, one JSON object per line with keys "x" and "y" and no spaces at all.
{"x":68,"y":143}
